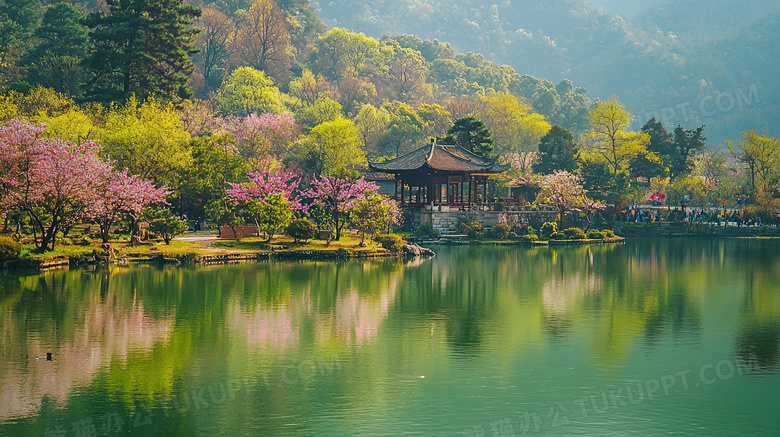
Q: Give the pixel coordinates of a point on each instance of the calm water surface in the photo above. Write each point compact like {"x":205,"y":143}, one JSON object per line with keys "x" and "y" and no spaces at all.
{"x":655,"y":338}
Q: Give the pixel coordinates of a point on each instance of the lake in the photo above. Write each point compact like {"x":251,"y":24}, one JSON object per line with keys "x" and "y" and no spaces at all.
{"x":656,"y":338}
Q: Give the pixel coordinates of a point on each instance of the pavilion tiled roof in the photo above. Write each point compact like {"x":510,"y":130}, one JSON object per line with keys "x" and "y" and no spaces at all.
{"x":440,"y":157}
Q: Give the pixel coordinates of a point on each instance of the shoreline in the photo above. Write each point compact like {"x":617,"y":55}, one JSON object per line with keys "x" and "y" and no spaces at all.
{"x":157,"y":254}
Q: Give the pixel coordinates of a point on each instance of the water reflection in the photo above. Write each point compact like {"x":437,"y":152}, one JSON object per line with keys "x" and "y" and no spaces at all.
{"x":96,"y":328}
{"x":471,"y":314}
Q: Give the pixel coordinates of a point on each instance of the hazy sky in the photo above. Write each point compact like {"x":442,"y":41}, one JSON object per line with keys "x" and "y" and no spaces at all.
{"x":627,"y":8}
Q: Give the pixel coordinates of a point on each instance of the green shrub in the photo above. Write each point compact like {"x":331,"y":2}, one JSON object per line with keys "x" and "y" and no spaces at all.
{"x":558,"y":236}
{"x":547,"y":230}
{"x":426,"y":230}
{"x":9,"y":247}
{"x":608,"y":233}
{"x":531,"y":237}
{"x":501,"y":230}
{"x":530,"y":230}
{"x":472,"y":229}
{"x":574,"y":233}
{"x":595,"y":235}
{"x":162,"y":222}
{"x":391,"y":242}
{"x":300,"y":230}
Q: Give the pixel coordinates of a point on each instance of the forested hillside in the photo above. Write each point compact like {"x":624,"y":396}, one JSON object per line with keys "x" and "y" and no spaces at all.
{"x":673,"y":54}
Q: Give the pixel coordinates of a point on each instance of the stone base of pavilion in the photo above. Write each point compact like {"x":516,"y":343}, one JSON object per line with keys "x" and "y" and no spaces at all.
{"x":447,"y":221}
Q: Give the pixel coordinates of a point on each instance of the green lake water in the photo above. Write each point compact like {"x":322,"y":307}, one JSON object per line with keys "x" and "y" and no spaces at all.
{"x":649,"y":338}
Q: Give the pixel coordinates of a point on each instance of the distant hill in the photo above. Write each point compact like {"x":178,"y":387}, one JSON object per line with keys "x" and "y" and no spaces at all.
{"x":626,"y":8}
{"x":667,"y":60}
{"x":701,"y":21}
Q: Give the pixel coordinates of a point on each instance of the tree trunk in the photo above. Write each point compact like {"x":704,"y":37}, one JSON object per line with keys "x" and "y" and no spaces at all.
{"x":104,"y":230}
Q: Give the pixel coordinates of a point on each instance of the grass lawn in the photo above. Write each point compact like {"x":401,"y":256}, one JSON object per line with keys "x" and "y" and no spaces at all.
{"x":348,"y":241}
{"x":30,"y":251}
{"x":177,"y":247}
{"x":207,"y":247}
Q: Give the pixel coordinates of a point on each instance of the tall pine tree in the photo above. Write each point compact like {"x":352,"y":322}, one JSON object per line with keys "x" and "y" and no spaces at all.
{"x":471,"y":134}
{"x":557,"y":151}
{"x":141,"y":47}
{"x":56,"y":61}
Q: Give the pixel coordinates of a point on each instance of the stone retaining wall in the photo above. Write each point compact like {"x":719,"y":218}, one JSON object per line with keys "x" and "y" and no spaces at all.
{"x":654,"y":230}
{"x":447,"y":221}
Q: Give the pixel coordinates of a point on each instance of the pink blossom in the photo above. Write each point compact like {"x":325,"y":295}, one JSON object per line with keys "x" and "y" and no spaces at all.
{"x":52,"y":180}
{"x":258,"y":135}
{"x":263,"y":184}
{"x":338,"y":195}
{"x":117,"y":194}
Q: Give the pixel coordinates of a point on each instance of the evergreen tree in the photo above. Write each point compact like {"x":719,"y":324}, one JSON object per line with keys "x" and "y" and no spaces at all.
{"x":471,"y":134}
{"x":56,"y":61}
{"x":141,"y":47}
{"x":557,"y":151}
{"x":18,"y":20}
{"x":686,"y":144}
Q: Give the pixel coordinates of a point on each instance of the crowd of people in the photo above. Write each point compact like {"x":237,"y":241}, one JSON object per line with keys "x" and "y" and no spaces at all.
{"x":711,"y":216}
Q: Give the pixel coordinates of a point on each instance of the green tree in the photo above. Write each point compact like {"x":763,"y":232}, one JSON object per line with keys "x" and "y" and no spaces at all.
{"x":141,"y":47}
{"x":309,"y":88}
{"x":340,"y":51}
{"x":271,"y":215}
{"x":373,"y":213}
{"x":163,"y":223}
{"x":56,"y":61}
{"x":324,"y":109}
{"x":609,"y":138}
{"x":248,"y":91}
{"x":18,"y":21}
{"x":557,"y":151}
{"x":372,"y":123}
{"x":515,"y":127}
{"x":599,"y":181}
{"x":472,"y":135}
{"x":148,"y":139}
{"x":215,"y":162}
{"x":405,"y":131}
{"x":686,"y":144}
{"x":647,"y":165}
{"x":333,"y":146}
{"x":437,"y":119}
{"x":760,"y":155}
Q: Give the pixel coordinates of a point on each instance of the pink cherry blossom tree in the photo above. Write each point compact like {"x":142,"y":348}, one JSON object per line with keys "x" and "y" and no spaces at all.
{"x":117,"y":195}
{"x":338,"y":196}
{"x":269,"y":198}
{"x":563,"y":190}
{"x":589,"y":207}
{"x":266,"y":183}
{"x":49,"y":179}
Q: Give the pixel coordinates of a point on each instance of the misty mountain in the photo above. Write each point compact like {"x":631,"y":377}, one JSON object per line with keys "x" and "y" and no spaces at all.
{"x":699,"y":21}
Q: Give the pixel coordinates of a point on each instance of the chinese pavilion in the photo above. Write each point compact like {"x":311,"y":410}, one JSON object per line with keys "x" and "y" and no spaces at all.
{"x":438,"y":174}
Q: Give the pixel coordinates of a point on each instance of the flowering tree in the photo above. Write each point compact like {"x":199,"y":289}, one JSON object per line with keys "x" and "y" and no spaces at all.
{"x":338,"y":196}
{"x":375,"y":212}
{"x":265,"y":183}
{"x":589,"y":207}
{"x":563,"y":190}
{"x":269,"y":198}
{"x":261,"y":135}
{"x":118,"y":195}
{"x":51,"y":180}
